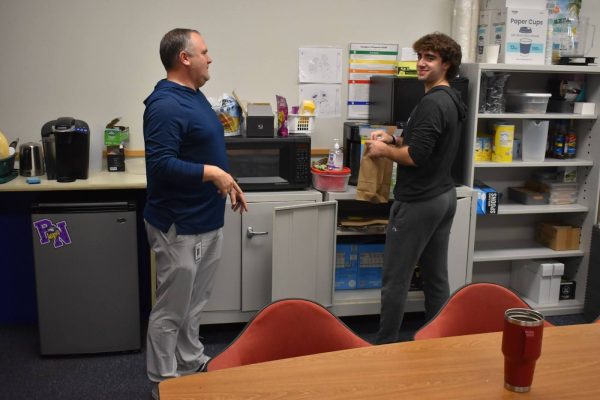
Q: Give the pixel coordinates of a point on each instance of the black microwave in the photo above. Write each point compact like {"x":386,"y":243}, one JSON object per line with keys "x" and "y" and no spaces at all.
{"x":274,"y":163}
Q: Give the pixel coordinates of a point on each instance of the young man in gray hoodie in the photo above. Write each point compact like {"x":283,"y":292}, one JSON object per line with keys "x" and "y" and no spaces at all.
{"x":424,"y":196}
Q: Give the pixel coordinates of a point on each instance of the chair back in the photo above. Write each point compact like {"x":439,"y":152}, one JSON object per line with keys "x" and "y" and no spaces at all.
{"x":474,"y":308}
{"x":287,"y":328}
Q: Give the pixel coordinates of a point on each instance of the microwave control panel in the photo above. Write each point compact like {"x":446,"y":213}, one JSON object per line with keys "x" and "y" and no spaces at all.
{"x":302,"y":164}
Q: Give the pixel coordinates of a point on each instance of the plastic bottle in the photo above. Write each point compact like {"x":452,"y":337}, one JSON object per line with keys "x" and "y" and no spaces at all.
{"x":570,"y":142}
{"x":335,"y":161}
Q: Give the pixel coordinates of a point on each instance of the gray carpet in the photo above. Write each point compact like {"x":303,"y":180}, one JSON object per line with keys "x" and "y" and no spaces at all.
{"x":26,"y":375}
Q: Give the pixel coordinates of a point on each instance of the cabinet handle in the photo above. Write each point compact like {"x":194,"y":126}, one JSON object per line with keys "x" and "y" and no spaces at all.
{"x":250,"y":232}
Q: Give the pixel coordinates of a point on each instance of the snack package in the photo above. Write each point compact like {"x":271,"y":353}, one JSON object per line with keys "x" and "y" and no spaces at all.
{"x":282,"y":114}
{"x":230,"y":114}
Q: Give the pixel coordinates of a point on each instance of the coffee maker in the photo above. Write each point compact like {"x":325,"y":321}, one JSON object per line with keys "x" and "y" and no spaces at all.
{"x":66,"y":143}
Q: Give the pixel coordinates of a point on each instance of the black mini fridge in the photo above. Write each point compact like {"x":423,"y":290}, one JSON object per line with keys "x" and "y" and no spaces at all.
{"x":86,"y":273}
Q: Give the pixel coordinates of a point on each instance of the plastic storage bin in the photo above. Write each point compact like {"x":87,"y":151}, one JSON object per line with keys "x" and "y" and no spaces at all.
{"x":535,"y":136}
{"x":330,"y":181}
{"x":300,"y":123}
{"x":529,"y":103}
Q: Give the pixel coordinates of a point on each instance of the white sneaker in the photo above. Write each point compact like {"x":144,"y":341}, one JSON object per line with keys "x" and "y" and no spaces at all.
{"x":202,"y":367}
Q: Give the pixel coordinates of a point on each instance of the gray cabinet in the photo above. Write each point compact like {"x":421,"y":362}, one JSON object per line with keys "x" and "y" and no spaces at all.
{"x":243,"y":281}
{"x":303,"y":252}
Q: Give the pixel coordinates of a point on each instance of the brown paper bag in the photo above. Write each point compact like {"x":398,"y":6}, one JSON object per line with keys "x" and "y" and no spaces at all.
{"x":374,"y":179}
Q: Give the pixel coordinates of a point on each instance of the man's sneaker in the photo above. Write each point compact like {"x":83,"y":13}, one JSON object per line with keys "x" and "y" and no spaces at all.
{"x":155,"y":394}
{"x":202,"y":367}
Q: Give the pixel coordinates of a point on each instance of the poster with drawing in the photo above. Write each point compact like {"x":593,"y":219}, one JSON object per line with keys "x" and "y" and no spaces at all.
{"x":320,"y":65}
{"x":327,"y":98}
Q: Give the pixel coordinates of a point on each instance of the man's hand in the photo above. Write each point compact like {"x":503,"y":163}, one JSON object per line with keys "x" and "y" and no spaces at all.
{"x":382,"y":136}
{"x":238,"y":200}
{"x":376,"y":148}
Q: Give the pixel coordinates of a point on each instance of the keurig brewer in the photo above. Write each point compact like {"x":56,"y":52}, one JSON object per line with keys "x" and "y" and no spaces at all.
{"x":67,"y":149}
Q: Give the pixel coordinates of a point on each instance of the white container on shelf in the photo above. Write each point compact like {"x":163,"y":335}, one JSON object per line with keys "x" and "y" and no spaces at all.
{"x":535,"y":136}
{"x":538,"y":280}
{"x":528,"y":103}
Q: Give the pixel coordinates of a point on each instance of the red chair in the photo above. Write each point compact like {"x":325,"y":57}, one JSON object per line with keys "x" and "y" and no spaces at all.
{"x":287,"y":328}
{"x":474,"y":308}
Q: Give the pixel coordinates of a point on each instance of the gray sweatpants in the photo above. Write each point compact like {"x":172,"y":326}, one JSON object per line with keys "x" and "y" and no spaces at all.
{"x":185,"y":274}
{"x":417,"y":234}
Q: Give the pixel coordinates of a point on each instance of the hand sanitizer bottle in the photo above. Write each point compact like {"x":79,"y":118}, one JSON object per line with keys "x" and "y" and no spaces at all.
{"x":335,"y":161}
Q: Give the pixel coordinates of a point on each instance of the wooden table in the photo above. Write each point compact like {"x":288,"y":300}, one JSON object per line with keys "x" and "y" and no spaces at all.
{"x":465,"y":367}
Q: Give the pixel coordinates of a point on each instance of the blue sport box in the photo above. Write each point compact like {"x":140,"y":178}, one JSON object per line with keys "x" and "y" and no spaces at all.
{"x":370,"y":265}
{"x":346,"y":266}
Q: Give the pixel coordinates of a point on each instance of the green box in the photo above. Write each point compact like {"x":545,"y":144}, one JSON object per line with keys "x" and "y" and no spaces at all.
{"x":116,"y":136}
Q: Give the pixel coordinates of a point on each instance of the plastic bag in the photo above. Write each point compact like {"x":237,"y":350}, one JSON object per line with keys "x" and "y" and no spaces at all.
{"x":282,"y":115}
{"x":495,"y":100}
{"x":230,"y":114}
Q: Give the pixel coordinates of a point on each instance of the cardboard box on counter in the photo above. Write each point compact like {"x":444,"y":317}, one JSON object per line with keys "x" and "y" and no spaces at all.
{"x":558,"y":236}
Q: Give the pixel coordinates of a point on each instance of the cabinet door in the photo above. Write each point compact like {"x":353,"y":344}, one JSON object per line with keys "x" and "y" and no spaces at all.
{"x":257,"y":254}
{"x":226,"y":294}
{"x":303,"y":252}
{"x":459,"y":244}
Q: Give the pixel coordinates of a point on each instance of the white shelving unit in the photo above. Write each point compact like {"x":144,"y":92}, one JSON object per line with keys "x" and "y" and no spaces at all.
{"x":499,"y":239}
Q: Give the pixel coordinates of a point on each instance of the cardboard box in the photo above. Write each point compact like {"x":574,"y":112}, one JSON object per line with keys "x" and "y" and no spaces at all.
{"x":558,"y":236}
{"x":370,"y":265}
{"x":406,"y":69}
{"x":346,"y":266}
{"x":485,"y":32}
{"x":567,"y":290}
{"x":524,"y":39}
{"x":115,"y":158}
{"x":525,"y":195}
{"x":501,"y":4}
{"x":260,"y":121}
{"x":538,"y":280}
{"x":115,"y":135}
{"x":584,"y":108}
{"x":487,"y":198}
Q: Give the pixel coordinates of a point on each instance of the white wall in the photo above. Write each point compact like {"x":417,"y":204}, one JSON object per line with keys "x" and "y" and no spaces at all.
{"x":95,"y":60}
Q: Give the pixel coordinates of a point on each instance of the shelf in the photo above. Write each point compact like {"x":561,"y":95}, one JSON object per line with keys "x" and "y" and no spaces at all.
{"x":362,"y":232}
{"x":543,"y":69}
{"x":548,"y":162}
{"x":544,"y":116}
{"x":562,"y":307}
{"x":374,"y":295}
{"x":518,"y":250}
{"x":512,"y":209}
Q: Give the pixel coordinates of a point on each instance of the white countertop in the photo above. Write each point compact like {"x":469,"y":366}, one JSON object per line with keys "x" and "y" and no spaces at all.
{"x":97,"y":180}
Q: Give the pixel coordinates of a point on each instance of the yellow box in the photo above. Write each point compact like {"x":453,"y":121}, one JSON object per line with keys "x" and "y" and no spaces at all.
{"x":406,"y":69}
{"x":504,"y":136}
{"x":483,"y":148}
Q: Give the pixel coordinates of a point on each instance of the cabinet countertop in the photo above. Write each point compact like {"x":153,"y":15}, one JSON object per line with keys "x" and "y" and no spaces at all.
{"x":97,"y":180}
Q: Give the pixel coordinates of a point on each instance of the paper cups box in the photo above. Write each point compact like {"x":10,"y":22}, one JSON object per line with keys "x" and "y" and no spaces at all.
{"x":524,"y":36}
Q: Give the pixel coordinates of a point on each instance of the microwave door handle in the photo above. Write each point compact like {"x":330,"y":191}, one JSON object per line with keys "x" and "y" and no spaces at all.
{"x":250,"y":233}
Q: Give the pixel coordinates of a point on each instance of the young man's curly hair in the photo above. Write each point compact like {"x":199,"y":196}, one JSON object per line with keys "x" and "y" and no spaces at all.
{"x":443,"y":44}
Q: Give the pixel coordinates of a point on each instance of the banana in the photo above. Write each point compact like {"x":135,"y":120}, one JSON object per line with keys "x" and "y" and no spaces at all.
{"x":3,"y":146}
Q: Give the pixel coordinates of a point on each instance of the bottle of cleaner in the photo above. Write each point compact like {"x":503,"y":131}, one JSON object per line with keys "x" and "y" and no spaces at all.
{"x":335,"y":161}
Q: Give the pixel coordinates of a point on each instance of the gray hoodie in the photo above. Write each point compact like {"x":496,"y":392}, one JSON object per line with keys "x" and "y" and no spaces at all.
{"x":433,"y":136}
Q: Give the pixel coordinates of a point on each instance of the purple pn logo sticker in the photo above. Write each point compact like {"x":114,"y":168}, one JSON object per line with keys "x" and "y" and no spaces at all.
{"x":47,"y":231}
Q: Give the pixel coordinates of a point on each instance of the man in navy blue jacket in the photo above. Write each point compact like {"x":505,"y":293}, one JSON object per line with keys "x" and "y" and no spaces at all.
{"x":187,"y":185}
{"x":418,"y":230}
